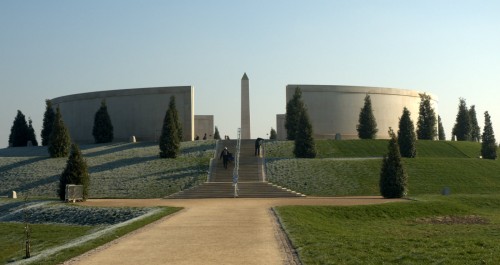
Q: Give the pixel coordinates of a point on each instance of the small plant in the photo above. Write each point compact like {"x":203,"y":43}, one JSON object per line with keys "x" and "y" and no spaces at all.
{"x":27,"y":230}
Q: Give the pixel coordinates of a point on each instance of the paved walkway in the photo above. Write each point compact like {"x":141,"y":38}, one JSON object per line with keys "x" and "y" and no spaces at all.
{"x":208,"y":231}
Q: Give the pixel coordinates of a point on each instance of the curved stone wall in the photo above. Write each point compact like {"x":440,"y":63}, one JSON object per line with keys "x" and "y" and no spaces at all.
{"x":133,"y":112}
{"x":335,"y":109}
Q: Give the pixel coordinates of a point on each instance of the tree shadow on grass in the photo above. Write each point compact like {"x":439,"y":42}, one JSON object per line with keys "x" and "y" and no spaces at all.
{"x":38,"y":151}
{"x":34,"y":184}
{"x":121,"y":163}
{"x":113,"y":148}
{"x":198,"y":148}
{"x":22,"y":163}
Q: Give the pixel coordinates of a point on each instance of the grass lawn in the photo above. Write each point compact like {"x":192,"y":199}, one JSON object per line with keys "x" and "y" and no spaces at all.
{"x":118,"y":170}
{"x":47,"y":236}
{"x":460,"y":229}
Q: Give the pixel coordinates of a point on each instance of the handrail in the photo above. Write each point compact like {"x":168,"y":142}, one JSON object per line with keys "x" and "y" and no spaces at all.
{"x":237,"y":164}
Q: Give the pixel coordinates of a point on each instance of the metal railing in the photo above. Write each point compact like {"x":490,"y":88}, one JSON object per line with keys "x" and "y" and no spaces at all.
{"x":237,"y":164}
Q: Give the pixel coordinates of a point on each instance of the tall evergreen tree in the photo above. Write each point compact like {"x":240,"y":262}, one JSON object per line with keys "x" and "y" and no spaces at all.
{"x":273,"y":135}
{"x":59,"y":142}
{"x":19,"y":132}
{"x":367,"y":126}
{"x":76,"y":172}
{"x":489,"y":144}
{"x":48,"y":122}
{"x":294,"y":107}
{"x":31,"y":133}
{"x":407,"y":138}
{"x":475,"y":131}
{"x":442,"y":136}
{"x":216,"y":133}
{"x":304,"y":142}
{"x":169,"y":139}
{"x":103,"y":128}
{"x":393,"y":176}
{"x":462,"y":128}
{"x":175,"y":115}
{"x":426,"y":124}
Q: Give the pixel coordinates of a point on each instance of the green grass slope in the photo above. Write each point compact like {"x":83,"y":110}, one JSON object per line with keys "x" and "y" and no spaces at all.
{"x":352,"y":168}
{"x":125,"y":170}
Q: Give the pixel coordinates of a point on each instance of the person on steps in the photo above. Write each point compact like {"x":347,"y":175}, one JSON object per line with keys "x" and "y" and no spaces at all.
{"x":225,"y":156}
{"x":258,"y":143}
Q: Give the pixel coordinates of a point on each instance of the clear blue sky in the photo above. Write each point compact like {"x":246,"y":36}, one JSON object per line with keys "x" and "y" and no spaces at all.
{"x":54,"y":48}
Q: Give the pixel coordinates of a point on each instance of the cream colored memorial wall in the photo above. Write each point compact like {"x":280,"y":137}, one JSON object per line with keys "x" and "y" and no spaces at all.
{"x":335,"y":109}
{"x":133,"y":112}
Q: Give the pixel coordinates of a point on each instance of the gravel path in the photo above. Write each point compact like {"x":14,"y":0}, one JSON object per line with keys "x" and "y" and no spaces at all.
{"x":208,"y":231}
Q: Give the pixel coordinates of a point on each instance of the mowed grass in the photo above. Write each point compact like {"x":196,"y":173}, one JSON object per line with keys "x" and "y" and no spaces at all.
{"x":122,"y":170}
{"x":47,"y":236}
{"x":461,"y":229}
{"x":355,"y":170}
{"x":374,"y":148}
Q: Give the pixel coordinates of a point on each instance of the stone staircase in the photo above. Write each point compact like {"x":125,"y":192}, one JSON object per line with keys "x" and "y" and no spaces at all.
{"x":251,"y":182}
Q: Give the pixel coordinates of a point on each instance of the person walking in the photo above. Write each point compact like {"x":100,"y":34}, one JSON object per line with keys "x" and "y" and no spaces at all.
{"x":258,"y":143}
{"x":225,"y":155}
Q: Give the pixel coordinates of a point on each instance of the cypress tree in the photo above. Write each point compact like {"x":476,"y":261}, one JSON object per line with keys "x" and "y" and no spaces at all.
{"x":59,"y":142}
{"x":169,"y":139}
{"x":462,"y":128}
{"x":304,"y":142}
{"x":175,"y":116}
{"x":393,"y":176}
{"x":489,"y":144}
{"x":19,"y":132}
{"x":48,"y":122}
{"x":475,"y":131}
{"x":103,"y":128}
{"x":216,"y":134}
{"x":442,"y":136}
{"x":367,"y":127}
{"x":426,"y":124}
{"x":407,"y":138}
{"x":76,"y":172}
{"x":294,"y":107}
{"x":31,"y":133}
{"x":273,"y":135}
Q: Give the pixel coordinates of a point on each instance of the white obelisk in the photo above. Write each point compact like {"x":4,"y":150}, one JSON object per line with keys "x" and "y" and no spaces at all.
{"x":245,"y":108}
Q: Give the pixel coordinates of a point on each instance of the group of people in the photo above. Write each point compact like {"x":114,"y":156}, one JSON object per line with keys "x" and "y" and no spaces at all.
{"x":226,"y":156}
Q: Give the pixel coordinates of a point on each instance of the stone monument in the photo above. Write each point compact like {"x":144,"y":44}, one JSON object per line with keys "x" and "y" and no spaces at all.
{"x":245,"y":108}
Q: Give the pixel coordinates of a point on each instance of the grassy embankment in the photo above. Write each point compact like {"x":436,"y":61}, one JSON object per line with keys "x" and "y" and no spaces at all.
{"x":126,"y":170}
{"x":123,"y":170}
{"x":463,"y":228}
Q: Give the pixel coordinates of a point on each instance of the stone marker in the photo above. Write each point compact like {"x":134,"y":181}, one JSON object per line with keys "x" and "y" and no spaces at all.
{"x":132,"y":139}
{"x":13,"y":195}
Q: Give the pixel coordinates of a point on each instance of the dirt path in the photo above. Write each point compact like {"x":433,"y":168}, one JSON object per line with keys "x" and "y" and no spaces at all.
{"x":209,"y":231}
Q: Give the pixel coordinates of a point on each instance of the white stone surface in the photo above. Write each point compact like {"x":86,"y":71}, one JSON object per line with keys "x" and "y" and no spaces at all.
{"x":335,"y":109}
{"x":204,"y":124}
{"x":139,"y":112}
{"x":245,"y":108}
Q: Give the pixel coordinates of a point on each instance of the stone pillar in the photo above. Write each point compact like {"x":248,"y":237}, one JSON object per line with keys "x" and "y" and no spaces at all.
{"x":245,"y":108}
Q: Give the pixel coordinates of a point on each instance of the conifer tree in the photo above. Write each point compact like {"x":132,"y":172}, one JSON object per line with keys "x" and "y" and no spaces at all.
{"x":103,"y":128}
{"x":475,"y":131}
{"x":462,"y":128}
{"x":393,"y":176}
{"x":426,"y":124}
{"x":19,"y":132}
{"x":169,"y":139}
{"x":407,"y":138}
{"x":59,"y":142}
{"x":216,"y":134}
{"x":442,"y":136}
{"x":304,"y":142}
{"x":31,"y":133}
{"x":76,"y":172}
{"x":273,"y":135}
{"x":294,"y":107}
{"x":48,"y":122}
{"x":367,"y":126}
{"x":489,"y":144}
